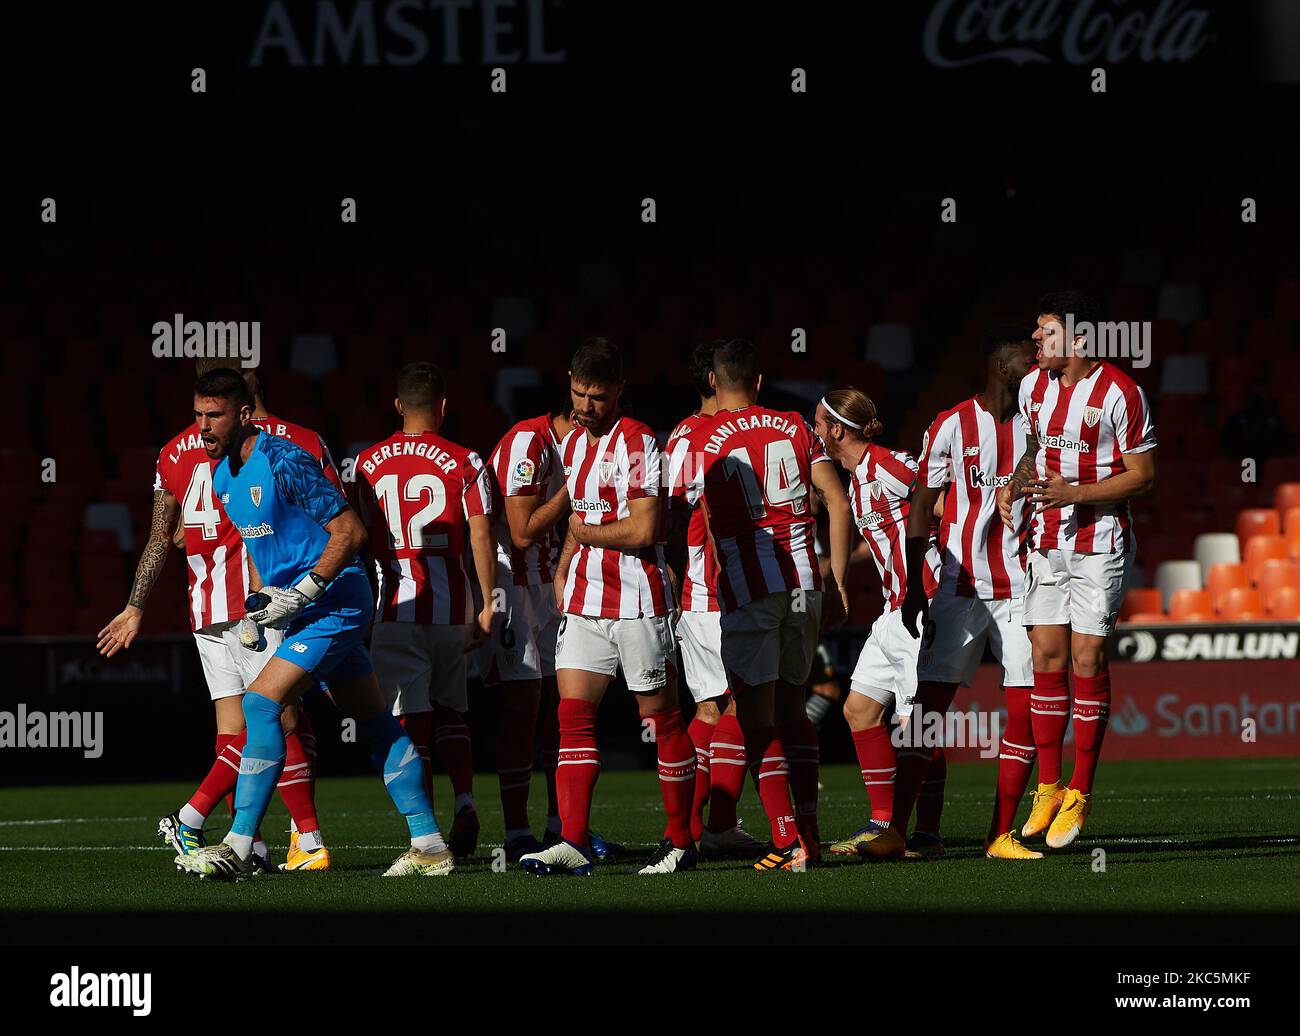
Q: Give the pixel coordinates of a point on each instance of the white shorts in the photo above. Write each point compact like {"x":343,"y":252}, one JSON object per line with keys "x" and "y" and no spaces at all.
{"x":700,"y":636}
{"x":955,"y":635}
{"x":522,"y":646}
{"x":1068,"y":588}
{"x":228,"y":667}
{"x":418,"y":664}
{"x":643,"y":647}
{"x":886,"y":669}
{"x":773,"y":638}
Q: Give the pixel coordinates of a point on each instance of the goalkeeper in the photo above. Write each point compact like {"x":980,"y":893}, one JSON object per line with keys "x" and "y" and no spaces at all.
{"x":303,"y":539}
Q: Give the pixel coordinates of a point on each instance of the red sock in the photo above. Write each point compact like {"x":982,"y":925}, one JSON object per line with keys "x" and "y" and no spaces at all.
{"x":515,"y":764}
{"x":1015,"y":760}
{"x":929,"y":803}
{"x":701,"y":735}
{"x":454,"y":749}
{"x":914,"y":758}
{"x":297,"y":785}
{"x":577,"y":769}
{"x":419,"y":728}
{"x":727,"y":773}
{"x":550,"y":749}
{"x":676,"y":773}
{"x":220,"y":781}
{"x":771,"y":775}
{"x":803,"y":751}
{"x":878,"y":765}
{"x":1049,"y":714}
{"x":1091,"y":714}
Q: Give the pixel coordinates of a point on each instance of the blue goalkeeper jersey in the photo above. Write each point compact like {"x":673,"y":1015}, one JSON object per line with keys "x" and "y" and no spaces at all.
{"x":281,"y":501}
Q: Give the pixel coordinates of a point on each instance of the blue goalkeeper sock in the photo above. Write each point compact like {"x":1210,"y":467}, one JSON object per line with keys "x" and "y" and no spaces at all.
{"x":259,"y":769}
{"x":397,"y":759}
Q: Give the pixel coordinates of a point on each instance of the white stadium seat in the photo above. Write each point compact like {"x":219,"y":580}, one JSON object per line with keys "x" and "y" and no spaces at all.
{"x":889,"y":347}
{"x":1213,"y":548}
{"x":1180,"y":302}
{"x":113,"y":517}
{"x":1176,"y":575}
{"x":1185,"y":375}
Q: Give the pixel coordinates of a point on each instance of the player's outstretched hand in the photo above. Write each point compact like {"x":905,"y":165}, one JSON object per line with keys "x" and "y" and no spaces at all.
{"x":835,"y":609}
{"x":121,"y":632}
{"x":285,"y":606}
{"x":915,"y":603}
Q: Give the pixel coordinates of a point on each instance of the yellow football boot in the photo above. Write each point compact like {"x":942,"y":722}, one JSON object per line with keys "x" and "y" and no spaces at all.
{"x":1069,"y":821}
{"x":1047,"y":802}
{"x":303,"y":860}
{"x":1005,"y":847}
{"x":876,"y":841}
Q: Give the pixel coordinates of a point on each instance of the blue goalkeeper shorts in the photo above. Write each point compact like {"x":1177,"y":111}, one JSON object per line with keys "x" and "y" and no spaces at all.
{"x":329,"y":641}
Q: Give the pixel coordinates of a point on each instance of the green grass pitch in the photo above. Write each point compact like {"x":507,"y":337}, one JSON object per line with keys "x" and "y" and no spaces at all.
{"x":1194,"y":850}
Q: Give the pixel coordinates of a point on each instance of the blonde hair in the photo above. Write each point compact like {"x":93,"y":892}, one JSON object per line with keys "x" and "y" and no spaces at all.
{"x":854,"y":405}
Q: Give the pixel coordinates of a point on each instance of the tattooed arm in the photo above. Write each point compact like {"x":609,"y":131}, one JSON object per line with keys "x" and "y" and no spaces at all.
{"x":1021,"y":479}
{"x":122,"y":631}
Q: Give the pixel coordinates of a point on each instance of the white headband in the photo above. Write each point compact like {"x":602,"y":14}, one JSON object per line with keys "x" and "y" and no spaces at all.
{"x":842,"y":420}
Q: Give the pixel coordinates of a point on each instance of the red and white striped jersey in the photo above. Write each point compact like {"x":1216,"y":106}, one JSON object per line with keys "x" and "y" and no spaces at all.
{"x":603,"y":477}
{"x":214,"y":553}
{"x":973,"y":454}
{"x":700,"y":580}
{"x":1083,"y":432}
{"x":880,"y":493}
{"x":310,"y":441}
{"x":526,"y":462}
{"x":752,"y":468}
{"x":417,"y":493}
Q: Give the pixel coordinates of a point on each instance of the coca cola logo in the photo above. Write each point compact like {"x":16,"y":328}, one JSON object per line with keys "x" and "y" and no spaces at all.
{"x":965,"y":32}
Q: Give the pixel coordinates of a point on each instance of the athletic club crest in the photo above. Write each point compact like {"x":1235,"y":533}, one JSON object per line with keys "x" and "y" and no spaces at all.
{"x":606,"y":471}
{"x":1091,"y":415}
{"x":255,"y":493}
{"x":876,"y":489}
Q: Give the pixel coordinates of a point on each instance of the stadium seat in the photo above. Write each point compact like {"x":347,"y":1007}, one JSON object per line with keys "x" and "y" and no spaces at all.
{"x":1137,"y":601}
{"x":1216,"y":548}
{"x":1262,"y":549}
{"x":1180,"y":302}
{"x":1285,"y":497}
{"x":1258,"y":521}
{"x":1143,"y":618}
{"x":112,"y":516}
{"x":1284,"y":603}
{"x":1291,"y":521}
{"x":889,"y":347}
{"x":1185,"y":375}
{"x":1172,"y":576}
{"x":1241,"y":604}
{"x":516,"y":315}
{"x":1224,"y":577}
{"x":1278,"y":573}
{"x":1191,"y":606}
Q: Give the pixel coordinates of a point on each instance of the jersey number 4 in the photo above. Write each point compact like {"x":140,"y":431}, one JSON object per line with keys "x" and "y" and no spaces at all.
{"x":198,"y":509}
{"x":782,"y":483}
{"x":413,"y":534}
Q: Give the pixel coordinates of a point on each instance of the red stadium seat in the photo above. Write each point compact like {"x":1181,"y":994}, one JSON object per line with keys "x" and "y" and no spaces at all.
{"x":1285,"y":497}
{"x":1224,"y":577}
{"x":1191,"y":606}
{"x":1260,"y":550}
{"x":1141,"y":600}
{"x":1276,"y":574}
{"x":1146,"y":618}
{"x":1284,"y":604}
{"x":1241,"y":604}
{"x":1258,"y":521}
